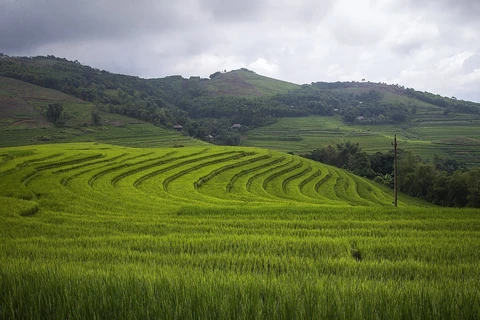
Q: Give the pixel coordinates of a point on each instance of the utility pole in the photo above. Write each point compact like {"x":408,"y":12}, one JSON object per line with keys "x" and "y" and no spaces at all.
{"x":395,"y":171}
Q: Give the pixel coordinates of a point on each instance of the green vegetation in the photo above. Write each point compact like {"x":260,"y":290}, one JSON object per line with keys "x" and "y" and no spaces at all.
{"x":100,"y":231}
{"x":246,"y":83}
{"x":97,"y":230}
{"x":452,"y":136}
{"x":367,"y":113}
{"x":54,"y":112}
{"x":206,"y":108}
{"x":445,"y":182}
{"x":24,"y":119}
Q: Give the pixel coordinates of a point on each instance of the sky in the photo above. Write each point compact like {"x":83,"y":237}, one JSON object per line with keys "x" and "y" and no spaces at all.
{"x":431,"y":45}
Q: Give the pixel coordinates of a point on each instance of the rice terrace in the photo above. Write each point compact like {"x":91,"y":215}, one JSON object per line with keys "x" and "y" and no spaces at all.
{"x":101,"y":231}
{"x":175,"y":198}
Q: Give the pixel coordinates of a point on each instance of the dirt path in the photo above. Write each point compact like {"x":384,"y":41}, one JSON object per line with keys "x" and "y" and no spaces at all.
{"x":21,"y":121}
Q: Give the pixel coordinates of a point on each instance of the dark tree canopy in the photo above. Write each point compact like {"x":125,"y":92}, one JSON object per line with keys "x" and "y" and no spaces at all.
{"x":444,"y":182}
{"x":53,"y":112}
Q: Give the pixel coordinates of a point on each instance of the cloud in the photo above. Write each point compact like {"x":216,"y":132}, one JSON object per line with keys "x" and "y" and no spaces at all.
{"x":414,"y":36}
{"x":457,"y":9}
{"x":426,"y":44}
{"x":27,"y":24}
{"x":262,"y":66}
{"x":226,"y":11}
{"x":472,"y":63}
{"x":352,"y":24}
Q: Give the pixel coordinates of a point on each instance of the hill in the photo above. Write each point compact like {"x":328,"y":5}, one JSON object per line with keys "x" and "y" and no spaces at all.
{"x":369,"y":113}
{"x":213,"y":176}
{"x":23,"y":121}
{"x":94,"y":230}
{"x":448,"y":136}
{"x":246,"y":83}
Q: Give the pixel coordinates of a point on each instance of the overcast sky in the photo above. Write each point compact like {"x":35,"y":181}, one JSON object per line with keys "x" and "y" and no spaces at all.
{"x":431,"y":45}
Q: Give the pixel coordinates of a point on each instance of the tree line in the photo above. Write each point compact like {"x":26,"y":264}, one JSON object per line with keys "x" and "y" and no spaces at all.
{"x":443,"y":181}
{"x":175,"y":100}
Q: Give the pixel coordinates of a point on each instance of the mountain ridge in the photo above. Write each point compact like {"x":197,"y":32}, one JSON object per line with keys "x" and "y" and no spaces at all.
{"x":207,"y":108}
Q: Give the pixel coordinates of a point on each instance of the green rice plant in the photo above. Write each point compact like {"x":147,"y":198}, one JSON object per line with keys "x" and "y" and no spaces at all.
{"x":240,"y":181}
{"x":217,"y":172}
{"x":273,"y":183}
{"x":326,"y":186}
{"x":116,"y":248}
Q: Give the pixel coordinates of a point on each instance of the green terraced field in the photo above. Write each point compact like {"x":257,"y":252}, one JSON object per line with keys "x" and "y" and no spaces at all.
{"x":129,"y":134}
{"x":22,"y":121}
{"x":454,"y":136}
{"x":100,"y":231}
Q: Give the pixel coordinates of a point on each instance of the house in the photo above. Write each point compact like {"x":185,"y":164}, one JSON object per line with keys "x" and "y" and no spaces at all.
{"x":178,"y":127}
{"x":236,"y":126}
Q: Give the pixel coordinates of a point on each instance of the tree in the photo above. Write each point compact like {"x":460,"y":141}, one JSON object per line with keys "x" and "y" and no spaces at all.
{"x":399,"y":117}
{"x":95,"y":117}
{"x":359,"y":164}
{"x":473,"y":183}
{"x":213,"y":75}
{"x":350,"y":115}
{"x":382,"y":163}
{"x":424,"y":177}
{"x":54,"y":111}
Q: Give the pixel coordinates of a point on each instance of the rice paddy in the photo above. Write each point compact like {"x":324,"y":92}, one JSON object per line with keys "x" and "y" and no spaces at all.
{"x":100,"y":231}
{"x":452,"y":136}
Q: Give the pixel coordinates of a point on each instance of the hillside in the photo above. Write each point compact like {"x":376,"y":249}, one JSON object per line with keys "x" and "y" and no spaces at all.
{"x":364,"y":112}
{"x":212,"y":176}
{"x":100,"y":231}
{"x":246,"y":83}
{"x":94,"y":230}
{"x":23,"y":121}
{"x":453,"y":136}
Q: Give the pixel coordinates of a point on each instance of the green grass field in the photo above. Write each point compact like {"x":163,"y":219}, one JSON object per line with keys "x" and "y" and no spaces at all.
{"x":100,"y":231}
{"x":247,"y":84}
{"x":128,"y":133}
{"x":23,"y":123}
{"x":454,"y":136}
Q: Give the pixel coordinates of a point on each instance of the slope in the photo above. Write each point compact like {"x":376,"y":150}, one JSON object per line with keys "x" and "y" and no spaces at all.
{"x":98,"y":231}
{"x":369,"y":113}
{"x":244,"y":82}
{"x":23,"y":121}
{"x":457,"y":136}
{"x":426,"y":124}
{"x":79,"y":176}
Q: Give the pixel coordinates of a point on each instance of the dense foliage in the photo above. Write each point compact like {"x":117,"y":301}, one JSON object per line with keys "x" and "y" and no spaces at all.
{"x":444,"y":182}
{"x":53,"y":112}
{"x":205,"y":114}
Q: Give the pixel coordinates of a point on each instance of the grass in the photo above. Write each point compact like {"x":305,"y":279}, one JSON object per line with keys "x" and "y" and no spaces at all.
{"x":100,"y":231}
{"x":458,"y":139}
{"x":137,"y":134}
{"x":22,"y":121}
{"x":247,"y":84}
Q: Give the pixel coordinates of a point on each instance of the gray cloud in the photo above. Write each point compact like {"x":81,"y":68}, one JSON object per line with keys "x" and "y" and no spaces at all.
{"x":30,"y":23}
{"x":426,"y":44}
{"x":464,"y":11}
{"x":222,"y":10}
{"x":472,"y":63}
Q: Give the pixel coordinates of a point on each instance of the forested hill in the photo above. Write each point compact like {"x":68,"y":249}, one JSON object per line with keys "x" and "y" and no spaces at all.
{"x":208,"y":107}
